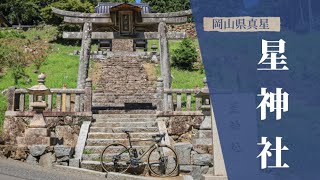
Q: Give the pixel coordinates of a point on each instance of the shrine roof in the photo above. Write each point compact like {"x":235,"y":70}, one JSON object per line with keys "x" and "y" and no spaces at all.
{"x":105,"y":7}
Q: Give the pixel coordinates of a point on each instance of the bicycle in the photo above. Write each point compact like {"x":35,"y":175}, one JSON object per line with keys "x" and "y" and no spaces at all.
{"x":162,"y":159}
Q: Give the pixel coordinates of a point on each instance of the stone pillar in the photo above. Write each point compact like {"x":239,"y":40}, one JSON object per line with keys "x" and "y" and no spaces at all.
{"x":160,"y":94}
{"x":88,"y":96}
{"x":164,"y":56}
{"x":84,"y":55}
{"x":219,"y":171}
{"x":10,"y":98}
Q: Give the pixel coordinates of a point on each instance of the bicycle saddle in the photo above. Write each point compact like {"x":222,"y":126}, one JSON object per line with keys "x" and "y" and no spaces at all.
{"x":127,"y":131}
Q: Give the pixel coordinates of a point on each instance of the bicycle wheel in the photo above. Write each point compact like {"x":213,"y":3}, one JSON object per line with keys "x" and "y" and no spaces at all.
{"x":162,"y":161}
{"x":115,"y":158}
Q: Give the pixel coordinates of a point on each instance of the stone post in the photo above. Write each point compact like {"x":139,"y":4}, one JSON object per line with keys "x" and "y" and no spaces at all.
{"x":84,"y":55}
{"x":160,"y":94}
{"x":88,"y":96}
{"x":10,"y":98}
{"x":219,"y":172}
{"x":164,"y":56}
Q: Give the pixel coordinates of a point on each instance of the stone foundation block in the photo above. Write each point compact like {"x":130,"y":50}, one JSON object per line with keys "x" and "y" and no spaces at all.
{"x":183,"y":151}
{"x":46,"y":160}
{"x":74,"y":163}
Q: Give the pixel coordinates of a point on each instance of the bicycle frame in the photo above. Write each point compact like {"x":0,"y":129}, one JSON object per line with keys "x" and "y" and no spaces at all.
{"x":146,"y":152}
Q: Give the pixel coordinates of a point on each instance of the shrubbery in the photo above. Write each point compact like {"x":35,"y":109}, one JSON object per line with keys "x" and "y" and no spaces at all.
{"x":11,"y":34}
{"x":16,"y":54}
{"x":13,"y":57}
{"x":185,"y":55}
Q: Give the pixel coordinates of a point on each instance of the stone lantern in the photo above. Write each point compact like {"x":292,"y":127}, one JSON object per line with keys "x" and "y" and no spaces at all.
{"x":39,"y":104}
{"x":154,"y":53}
{"x":205,"y":95}
{"x":37,"y":132}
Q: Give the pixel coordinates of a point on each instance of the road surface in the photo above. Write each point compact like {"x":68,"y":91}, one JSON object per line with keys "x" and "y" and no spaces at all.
{"x":15,"y":170}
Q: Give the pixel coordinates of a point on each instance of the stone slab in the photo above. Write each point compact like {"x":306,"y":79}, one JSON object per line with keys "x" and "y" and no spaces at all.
{"x":32,"y":160}
{"x":74,"y":163}
{"x":37,"y":132}
{"x":202,"y":159}
{"x":82,"y":139}
{"x":184,"y":152}
{"x":37,"y":150}
{"x":206,"y":124}
{"x":62,"y":151}
{"x":212,"y":177}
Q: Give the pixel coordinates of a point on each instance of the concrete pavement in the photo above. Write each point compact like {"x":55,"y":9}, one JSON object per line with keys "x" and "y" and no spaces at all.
{"x":14,"y":170}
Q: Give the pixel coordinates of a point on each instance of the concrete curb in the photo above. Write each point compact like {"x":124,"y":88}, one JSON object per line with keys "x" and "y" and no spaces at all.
{"x":118,"y":176}
{"x":99,"y":174}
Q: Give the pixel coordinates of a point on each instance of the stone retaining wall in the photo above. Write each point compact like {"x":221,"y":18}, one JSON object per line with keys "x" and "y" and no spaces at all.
{"x":189,"y":28}
{"x":63,"y":132}
{"x":41,"y":155}
{"x":191,"y":137}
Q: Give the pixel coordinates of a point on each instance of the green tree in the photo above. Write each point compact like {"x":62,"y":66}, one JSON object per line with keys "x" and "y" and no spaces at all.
{"x":185,"y":55}
{"x":163,"y":6}
{"x":21,"y":11}
{"x":69,"y":5}
{"x":14,"y":58}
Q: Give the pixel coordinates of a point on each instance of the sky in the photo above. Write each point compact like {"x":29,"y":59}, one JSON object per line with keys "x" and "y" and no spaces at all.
{"x":138,"y":1}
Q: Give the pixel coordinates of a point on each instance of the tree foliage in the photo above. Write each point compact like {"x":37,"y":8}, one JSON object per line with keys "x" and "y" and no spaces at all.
{"x":163,"y":6}
{"x":21,"y":11}
{"x":13,"y":57}
{"x":185,"y":55}
{"x":69,"y":5}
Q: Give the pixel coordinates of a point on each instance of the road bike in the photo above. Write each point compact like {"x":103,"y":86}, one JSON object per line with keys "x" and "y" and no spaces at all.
{"x":162,"y":160}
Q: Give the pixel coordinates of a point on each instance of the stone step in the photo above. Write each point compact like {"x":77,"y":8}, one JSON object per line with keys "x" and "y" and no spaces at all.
{"x":124,"y":124}
{"x":96,"y":166}
{"x":104,"y":116}
{"x":96,"y":157}
{"x":123,"y":111}
{"x":107,"y":104}
{"x":98,"y":119}
{"x":112,"y":94}
{"x":105,"y":142}
{"x":119,"y":135}
{"x":121,"y":129}
{"x":92,"y":165}
{"x":146,"y":100}
{"x":130,"y":98}
{"x":99,"y":149}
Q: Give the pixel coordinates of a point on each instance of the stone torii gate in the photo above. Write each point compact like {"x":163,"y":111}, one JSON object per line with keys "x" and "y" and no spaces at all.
{"x":123,"y":21}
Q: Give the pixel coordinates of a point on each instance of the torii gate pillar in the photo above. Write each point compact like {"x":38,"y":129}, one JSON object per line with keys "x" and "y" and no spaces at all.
{"x":164,"y":58}
{"x":84,"y":55}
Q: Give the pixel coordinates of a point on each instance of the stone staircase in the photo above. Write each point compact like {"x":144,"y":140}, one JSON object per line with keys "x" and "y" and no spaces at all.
{"x":124,"y":99}
{"x":108,"y":129}
{"x":124,"y":84}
